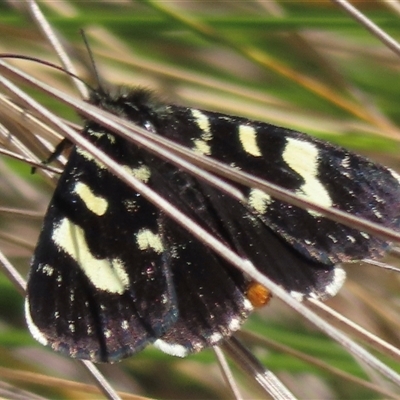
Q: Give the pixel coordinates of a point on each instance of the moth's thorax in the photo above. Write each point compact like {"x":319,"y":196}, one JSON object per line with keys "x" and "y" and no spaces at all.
{"x":138,"y":105}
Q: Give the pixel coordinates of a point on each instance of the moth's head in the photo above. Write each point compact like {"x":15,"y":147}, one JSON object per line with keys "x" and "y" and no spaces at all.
{"x":136,"y":104}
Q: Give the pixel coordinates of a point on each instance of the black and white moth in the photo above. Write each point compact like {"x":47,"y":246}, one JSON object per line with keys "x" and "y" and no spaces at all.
{"x":111,"y":273}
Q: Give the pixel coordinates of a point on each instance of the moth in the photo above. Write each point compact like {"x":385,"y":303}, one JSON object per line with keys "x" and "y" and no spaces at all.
{"x":111,"y":273}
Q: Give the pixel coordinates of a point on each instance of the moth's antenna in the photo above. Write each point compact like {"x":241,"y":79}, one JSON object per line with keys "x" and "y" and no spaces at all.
{"x":53,"y":38}
{"x":92,"y":62}
{"x":47,"y":63}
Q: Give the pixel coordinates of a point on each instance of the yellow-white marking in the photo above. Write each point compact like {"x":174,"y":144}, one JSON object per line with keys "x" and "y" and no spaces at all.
{"x":164,"y":299}
{"x":105,"y":274}
{"x":378,"y":199}
{"x":334,"y":240}
{"x":395,"y":175}
{"x":96,"y":204}
{"x":332,"y":289}
{"x":235,"y":323}
{"x":99,"y":135}
{"x":351,"y":239}
{"x":259,"y":200}
{"x":130,"y":205}
{"x":345,"y":162}
{"x":201,"y":145}
{"x":247,"y":306}
{"x":203,"y":122}
{"x":142,"y":173}
{"x":33,"y":329}
{"x":297,"y":295}
{"x":149,"y":240}
{"x":248,"y":139}
{"x":47,"y":270}
{"x":303,"y":158}
{"x":89,"y":157}
{"x":172,"y":349}
{"x":124,"y":324}
{"x":337,"y":282}
{"x":215,"y":338}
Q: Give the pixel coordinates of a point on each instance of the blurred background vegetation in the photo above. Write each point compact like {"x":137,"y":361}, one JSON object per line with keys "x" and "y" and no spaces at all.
{"x":303,"y":65}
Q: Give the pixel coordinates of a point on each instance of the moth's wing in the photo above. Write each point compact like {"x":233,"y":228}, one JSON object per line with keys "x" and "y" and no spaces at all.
{"x":315,"y":170}
{"x":272,"y":255}
{"x":100,"y":286}
{"x":211,"y":295}
{"x":332,"y":177}
{"x":242,"y":231}
{"x":212,"y":308}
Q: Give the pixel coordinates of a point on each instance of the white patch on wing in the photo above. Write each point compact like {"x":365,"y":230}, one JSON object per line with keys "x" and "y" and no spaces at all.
{"x":142,"y":173}
{"x":146,"y":239}
{"x":105,"y":274}
{"x":97,"y":135}
{"x":333,"y":287}
{"x":215,"y":338}
{"x":337,"y":282}
{"x":130,"y":206}
{"x":100,"y":135}
{"x":351,"y":239}
{"x":172,"y":349}
{"x":96,"y":204}
{"x":395,"y":175}
{"x":259,"y":200}
{"x":345,"y":162}
{"x":333,"y":238}
{"x":248,"y":139}
{"x":377,"y":213}
{"x":297,"y":295}
{"x":234,"y":324}
{"x":47,"y":269}
{"x":247,"y":305}
{"x":201,"y":145}
{"x":89,"y":157}
{"x":124,"y":325}
{"x":202,"y":121}
{"x":303,"y":157}
{"x":33,"y":329}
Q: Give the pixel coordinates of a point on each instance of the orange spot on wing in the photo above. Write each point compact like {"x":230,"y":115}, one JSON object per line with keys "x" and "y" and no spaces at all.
{"x":258,"y":294}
